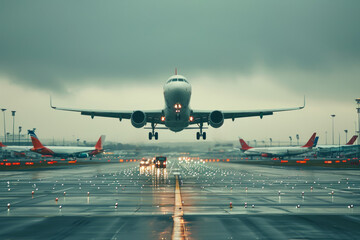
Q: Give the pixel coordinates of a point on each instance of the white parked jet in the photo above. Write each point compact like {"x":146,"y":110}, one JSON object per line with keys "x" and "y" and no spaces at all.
{"x":347,"y":145}
{"x":177,"y":114}
{"x":64,"y":151}
{"x":277,"y":151}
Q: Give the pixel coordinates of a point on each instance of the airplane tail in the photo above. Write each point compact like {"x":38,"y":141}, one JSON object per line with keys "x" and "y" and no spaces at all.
{"x":2,"y":145}
{"x":315,"y":141}
{"x":100,"y":142}
{"x":244,"y":145}
{"x":311,"y":141}
{"x":352,"y":140}
{"x":35,"y":141}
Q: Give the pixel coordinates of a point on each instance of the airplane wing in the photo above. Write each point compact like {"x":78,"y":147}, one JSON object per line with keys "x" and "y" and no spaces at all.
{"x":151,"y":116}
{"x":202,"y":116}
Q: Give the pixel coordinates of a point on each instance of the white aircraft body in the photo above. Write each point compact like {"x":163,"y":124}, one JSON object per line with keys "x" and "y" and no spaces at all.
{"x":65,"y":151}
{"x":347,"y":145}
{"x":15,"y":148}
{"x":177,"y":114}
{"x":277,"y":151}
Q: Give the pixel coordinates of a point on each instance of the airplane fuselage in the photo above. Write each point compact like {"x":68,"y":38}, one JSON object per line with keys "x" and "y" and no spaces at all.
{"x":277,"y":151}
{"x":177,"y":94}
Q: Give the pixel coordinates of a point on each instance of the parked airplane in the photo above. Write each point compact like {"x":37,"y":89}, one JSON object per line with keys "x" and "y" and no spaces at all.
{"x":64,"y":151}
{"x":348,"y":144}
{"x":330,"y":150}
{"x":18,"y":149}
{"x":277,"y":151}
{"x":177,"y":114}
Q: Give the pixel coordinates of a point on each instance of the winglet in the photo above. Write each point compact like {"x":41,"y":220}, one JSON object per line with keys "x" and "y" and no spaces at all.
{"x":51,"y":105}
{"x":352,"y":140}
{"x":310,"y":143}
{"x":303,"y":106}
{"x":304,"y":102}
{"x":244,"y":145}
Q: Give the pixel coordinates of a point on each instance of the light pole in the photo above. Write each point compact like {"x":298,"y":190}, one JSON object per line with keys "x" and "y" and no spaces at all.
{"x":326,"y":137}
{"x":255,"y":142}
{"x":19,"y":133}
{"x":270,"y":142}
{"x":13,"y":115}
{"x":3,"y":110}
{"x":346,"y":131}
{"x":358,"y":111}
{"x":297,"y":139}
{"x":290,"y":140}
{"x":333,"y":116}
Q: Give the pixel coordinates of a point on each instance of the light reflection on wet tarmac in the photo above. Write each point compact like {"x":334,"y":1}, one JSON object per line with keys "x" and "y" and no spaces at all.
{"x":268,"y":202}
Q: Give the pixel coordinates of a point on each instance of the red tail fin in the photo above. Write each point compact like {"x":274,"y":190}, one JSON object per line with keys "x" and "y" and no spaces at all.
{"x":243,"y":144}
{"x":2,"y":145}
{"x":352,"y":140}
{"x":35,"y":141}
{"x":100,"y":142}
{"x":310,"y":143}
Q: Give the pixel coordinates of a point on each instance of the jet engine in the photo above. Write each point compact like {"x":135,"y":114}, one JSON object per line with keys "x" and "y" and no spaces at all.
{"x":83,"y":155}
{"x":216,"y":119}
{"x":138,"y":119}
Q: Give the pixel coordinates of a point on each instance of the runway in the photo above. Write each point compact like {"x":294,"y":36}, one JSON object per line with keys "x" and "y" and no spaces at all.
{"x":113,"y":200}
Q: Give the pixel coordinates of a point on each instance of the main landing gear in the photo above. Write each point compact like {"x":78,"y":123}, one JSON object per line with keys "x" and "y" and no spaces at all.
{"x":153,"y":133}
{"x":201,"y":133}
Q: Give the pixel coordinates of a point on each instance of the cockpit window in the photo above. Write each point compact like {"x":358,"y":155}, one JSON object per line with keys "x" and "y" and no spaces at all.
{"x":177,"y":80}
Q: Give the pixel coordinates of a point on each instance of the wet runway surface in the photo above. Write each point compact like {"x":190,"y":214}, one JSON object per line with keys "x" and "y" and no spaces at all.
{"x":122,"y":201}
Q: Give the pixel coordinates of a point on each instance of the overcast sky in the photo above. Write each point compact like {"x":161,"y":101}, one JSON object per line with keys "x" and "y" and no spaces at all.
{"x":236,"y":54}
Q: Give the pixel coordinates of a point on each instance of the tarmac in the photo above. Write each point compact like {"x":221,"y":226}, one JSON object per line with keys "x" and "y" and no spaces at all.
{"x":187,"y":200}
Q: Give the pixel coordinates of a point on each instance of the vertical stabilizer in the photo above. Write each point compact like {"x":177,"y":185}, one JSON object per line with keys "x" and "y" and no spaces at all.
{"x":2,"y":145}
{"x":34,"y":139}
{"x":100,"y":143}
{"x":244,"y":145}
{"x":310,"y":143}
{"x":352,"y":140}
{"x":315,"y":142}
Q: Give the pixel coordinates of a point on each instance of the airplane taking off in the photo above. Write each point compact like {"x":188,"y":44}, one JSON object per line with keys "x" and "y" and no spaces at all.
{"x":277,"y":151}
{"x":64,"y":151}
{"x":177,"y":114}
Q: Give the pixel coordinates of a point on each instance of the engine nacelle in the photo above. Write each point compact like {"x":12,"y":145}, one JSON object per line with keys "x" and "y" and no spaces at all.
{"x":216,"y":119}
{"x":83,"y":155}
{"x":138,"y":119}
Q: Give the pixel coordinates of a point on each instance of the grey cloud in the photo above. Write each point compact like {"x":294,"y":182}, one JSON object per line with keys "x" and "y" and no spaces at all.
{"x":51,"y":45}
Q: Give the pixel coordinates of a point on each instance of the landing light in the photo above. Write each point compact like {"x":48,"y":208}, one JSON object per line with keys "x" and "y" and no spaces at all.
{"x":191,"y":118}
{"x":162,"y":118}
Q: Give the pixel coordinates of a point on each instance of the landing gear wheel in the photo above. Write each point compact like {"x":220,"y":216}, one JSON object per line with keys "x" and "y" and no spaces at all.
{"x":156,"y":135}
{"x":197,"y":135}
{"x":204,"y":135}
{"x":150,"y":135}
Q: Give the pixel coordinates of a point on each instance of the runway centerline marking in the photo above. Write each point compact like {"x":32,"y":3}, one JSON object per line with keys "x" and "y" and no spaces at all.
{"x":179,"y":230}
